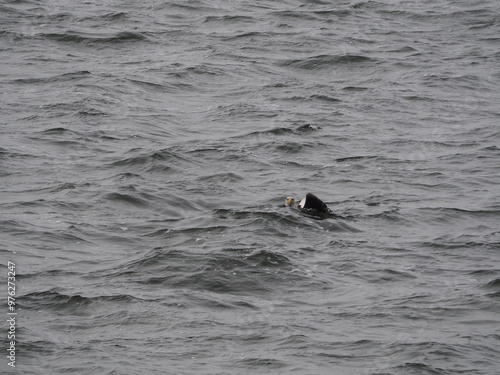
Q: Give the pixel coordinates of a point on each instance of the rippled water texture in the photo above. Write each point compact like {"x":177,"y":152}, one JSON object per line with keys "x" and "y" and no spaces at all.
{"x":146,"y":149}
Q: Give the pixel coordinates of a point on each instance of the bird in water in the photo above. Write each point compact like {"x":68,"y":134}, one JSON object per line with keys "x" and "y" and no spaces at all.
{"x":311,"y":205}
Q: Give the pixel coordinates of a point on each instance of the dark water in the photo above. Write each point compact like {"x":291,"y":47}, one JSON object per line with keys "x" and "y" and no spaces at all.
{"x":146,"y":151}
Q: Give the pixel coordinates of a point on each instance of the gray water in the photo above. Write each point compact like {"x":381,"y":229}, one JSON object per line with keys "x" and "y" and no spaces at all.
{"x":146,"y":151}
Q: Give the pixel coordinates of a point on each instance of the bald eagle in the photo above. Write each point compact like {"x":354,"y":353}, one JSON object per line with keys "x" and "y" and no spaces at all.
{"x":311,"y":205}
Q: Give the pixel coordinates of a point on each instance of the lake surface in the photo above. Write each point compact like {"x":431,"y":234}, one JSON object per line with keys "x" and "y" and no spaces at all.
{"x":146,"y":152}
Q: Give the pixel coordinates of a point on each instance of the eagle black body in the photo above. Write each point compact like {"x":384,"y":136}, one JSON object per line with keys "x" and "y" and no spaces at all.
{"x":312,"y":204}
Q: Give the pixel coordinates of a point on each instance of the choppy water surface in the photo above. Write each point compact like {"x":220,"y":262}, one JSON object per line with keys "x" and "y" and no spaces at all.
{"x":146,"y":150}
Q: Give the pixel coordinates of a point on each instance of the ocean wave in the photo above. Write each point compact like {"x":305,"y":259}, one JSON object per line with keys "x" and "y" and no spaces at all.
{"x":147,"y":149}
{"x":74,"y":37}
{"x":75,"y":304}
{"x":327,"y":61}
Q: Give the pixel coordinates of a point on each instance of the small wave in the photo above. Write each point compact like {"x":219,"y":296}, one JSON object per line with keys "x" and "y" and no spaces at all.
{"x":250,"y":34}
{"x":156,"y":88}
{"x":225,"y":177}
{"x":448,"y":214}
{"x":128,"y":199}
{"x":355,"y":88}
{"x":262,"y":364}
{"x":278,"y":222}
{"x":63,"y":186}
{"x":391,"y":215}
{"x":494,"y":287}
{"x":71,"y":76}
{"x":4,"y":152}
{"x":229,"y":19}
{"x":92,"y":39}
{"x":306,"y":128}
{"x":326,"y":61}
{"x":290,"y":147}
{"x":421,"y":368}
{"x":55,"y":131}
{"x":113,"y":16}
{"x":274,"y":131}
{"x":386,"y":275}
{"x":237,"y":271}
{"x":73,"y":304}
{"x":216,"y":273}
{"x":90,"y":112}
{"x":242,"y":109}
{"x":325,"y":98}
{"x":302,"y":15}
{"x":493,"y":284}
{"x":206,"y":69}
{"x":265,"y":258}
{"x":356,"y":158}
{"x":280,"y":131}
{"x":161,"y":161}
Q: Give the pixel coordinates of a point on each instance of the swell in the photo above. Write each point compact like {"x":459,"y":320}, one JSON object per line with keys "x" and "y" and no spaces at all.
{"x":454,"y":214}
{"x":235,"y":271}
{"x":320,"y":62}
{"x":74,"y":37}
{"x":72,"y":304}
